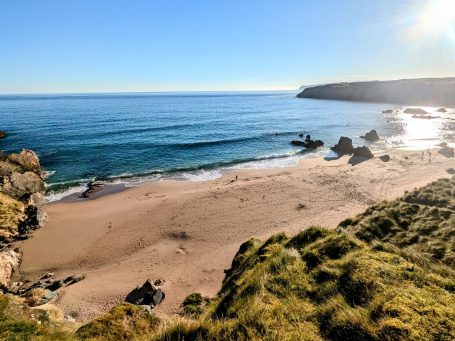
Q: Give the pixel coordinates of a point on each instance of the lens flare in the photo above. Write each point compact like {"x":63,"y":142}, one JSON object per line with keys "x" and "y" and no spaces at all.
{"x":438,"y":17}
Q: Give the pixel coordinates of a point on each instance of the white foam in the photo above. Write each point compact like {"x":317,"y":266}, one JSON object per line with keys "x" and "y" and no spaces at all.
{"x":201,"y":175}
{"x":56,"y":196}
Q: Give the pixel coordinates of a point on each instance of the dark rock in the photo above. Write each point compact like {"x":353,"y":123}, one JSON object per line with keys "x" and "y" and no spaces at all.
{"x":309,"y":144}
{"x":424,"y":117}
{"x":2,"y":134}
{"x":47,"y":275}
{"x":92,"y":188}
{"x":148,"y":294}
{"x":447,"y":152}
{"x":55,"y":285}
{"x":300,"y":135}
{"x":371,"y":136}
{"x":343,"y":147}
{"x":298,"y":143}
{"x":416,"y":111}
{"x":451,"y":171}
{"x":388,"y":111}
{"x":385,"y":158}
{"x":73,"y":279}
{"x":441,"y":110}
{"x":363,"y":152}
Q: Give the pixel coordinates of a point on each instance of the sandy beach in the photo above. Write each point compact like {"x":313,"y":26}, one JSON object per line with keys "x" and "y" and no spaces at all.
{"x":188,"y":232}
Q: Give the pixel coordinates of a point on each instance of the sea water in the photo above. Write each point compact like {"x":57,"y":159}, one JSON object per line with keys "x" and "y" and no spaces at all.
{"x":137,"y":137}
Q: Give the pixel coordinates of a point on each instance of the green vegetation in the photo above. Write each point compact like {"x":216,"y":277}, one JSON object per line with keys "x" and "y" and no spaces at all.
{"x":123,"y":322}
{"x":20,"y":323}
{"x":11,"y":215}
{"x":323,"y":285}
{"x":387,"y":274}
{"x":422,"y":222}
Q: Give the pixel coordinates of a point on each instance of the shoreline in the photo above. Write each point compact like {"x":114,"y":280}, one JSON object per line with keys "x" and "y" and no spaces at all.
{"x":187,"y":232}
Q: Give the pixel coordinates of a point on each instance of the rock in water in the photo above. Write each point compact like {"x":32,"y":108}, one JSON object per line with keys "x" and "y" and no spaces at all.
{"x":148,"y":295}
{"x":388,"y":111}
{"x":298,"y":143}
{"x":2,"y":134}
{"x":416,"y":111}
{"x":447,"y":152}
{"x":371,"y":136}
{"x":363,"y":152}
{"x":441,"y":110}
{"x":93,"y":187}
{"x":343,"y":147}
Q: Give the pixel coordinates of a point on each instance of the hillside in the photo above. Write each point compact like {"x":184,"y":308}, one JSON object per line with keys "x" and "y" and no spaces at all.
{"x":387,"y":274}
{"x":424,"y":91}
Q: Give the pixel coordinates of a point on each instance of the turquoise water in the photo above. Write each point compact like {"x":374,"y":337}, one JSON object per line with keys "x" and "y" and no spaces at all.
{"x":194,"y":136}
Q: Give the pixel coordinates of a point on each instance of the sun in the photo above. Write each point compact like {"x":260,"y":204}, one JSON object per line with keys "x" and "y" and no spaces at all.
{"x":438,"y":17}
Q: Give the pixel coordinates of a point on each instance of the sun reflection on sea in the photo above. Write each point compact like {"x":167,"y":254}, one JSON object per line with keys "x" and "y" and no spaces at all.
{"x":419,"y":131}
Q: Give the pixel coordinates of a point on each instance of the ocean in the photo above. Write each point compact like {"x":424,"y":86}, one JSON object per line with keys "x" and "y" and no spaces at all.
{"x":134,"y":137}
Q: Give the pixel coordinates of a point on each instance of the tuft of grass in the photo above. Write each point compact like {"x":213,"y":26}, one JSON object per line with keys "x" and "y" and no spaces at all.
{"x":123,"y":322}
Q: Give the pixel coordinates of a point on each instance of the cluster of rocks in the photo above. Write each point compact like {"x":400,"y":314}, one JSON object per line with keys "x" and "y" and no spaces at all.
{"x":22,"y":192}
{"x":307,"y":143}
{"x":43,"y":290}
{"x":148,"y":295}
{"x":92,"y":188}
{"x":345,"y":147}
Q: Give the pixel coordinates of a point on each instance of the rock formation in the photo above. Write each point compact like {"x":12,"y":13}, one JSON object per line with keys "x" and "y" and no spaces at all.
{"x":147,"y":295}
{"x":363,"y":152}
{"x":425,"y":91}
{"x":371,"y":136}
{"x":343,"y":147}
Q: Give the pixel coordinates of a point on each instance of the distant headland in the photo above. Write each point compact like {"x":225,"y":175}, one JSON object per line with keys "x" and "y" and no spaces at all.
{"x":422,"y":91}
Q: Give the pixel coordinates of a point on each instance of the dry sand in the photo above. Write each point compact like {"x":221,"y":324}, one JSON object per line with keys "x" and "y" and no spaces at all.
{"x":188,"y":232}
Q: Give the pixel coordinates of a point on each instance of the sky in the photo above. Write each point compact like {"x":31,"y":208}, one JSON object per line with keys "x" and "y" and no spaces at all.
{"x":153,"y":45}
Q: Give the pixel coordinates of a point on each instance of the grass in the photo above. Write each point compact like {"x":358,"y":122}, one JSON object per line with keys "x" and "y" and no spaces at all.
{"x":11,"y":215}
{"x":420,"y":222}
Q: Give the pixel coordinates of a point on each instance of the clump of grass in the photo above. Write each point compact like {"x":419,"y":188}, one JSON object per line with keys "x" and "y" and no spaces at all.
{"x":194,"y":304}
{"x":123,"y":322}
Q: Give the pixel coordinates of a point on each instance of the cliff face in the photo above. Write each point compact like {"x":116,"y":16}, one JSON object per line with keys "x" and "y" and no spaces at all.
{"x":425,"y":91}
{"x":21,"y":199}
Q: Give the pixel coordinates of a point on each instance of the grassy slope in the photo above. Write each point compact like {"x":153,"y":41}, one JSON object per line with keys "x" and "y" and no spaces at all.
{"x":422,"y":221}
{"x":389,"y":277}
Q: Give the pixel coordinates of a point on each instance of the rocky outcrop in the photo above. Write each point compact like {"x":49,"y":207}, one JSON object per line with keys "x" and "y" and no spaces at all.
{"x":92,"y":188}
{"x":146,"y":295}
{"x":415,"y":111}
{"x":21,"y":199}
{"x":308,"y":143}
{"x":425,"y":91}
{"x":441,"y":110}
{"x":2,"y":134}
{"x":343,"y":147}
{"x":22,"y":191}
{"x":9,"y":263}
{"x":371,"y":136}
{"x":363,"y":152}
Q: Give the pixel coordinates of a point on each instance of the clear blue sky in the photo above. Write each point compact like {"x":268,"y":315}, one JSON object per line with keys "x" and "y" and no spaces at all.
{"x":140,"y":45}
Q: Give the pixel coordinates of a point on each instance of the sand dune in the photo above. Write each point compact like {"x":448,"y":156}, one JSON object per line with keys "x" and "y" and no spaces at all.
{"x":188,"y":232}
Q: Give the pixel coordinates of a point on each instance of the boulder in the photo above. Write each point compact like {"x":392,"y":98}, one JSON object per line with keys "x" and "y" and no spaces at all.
{"x":9,"y":263}
{"x":416,"y":111}
{"x":300,"y":135}
{"x":298,"y":143}
{"x":20,"y":184}
{"x":451,"y":171}
{"x":148,"y":295}
{"x":7,"y":168}
{"x":2,"y":134}
{"x":39,"y":296}
{"x":363,"y":152}
{"x":443,"y":144}
{"x":371,"y":136}
{"x":27,"y":160}
{"x":441,"y":110}
{"x":388,"y":111}
{"x":447,"y":151}
{"x":343,"y":147}
{"x":385,"y":158}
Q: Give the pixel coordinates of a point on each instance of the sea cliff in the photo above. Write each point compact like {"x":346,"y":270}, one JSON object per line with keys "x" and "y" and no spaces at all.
{"x":424,"y":91}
